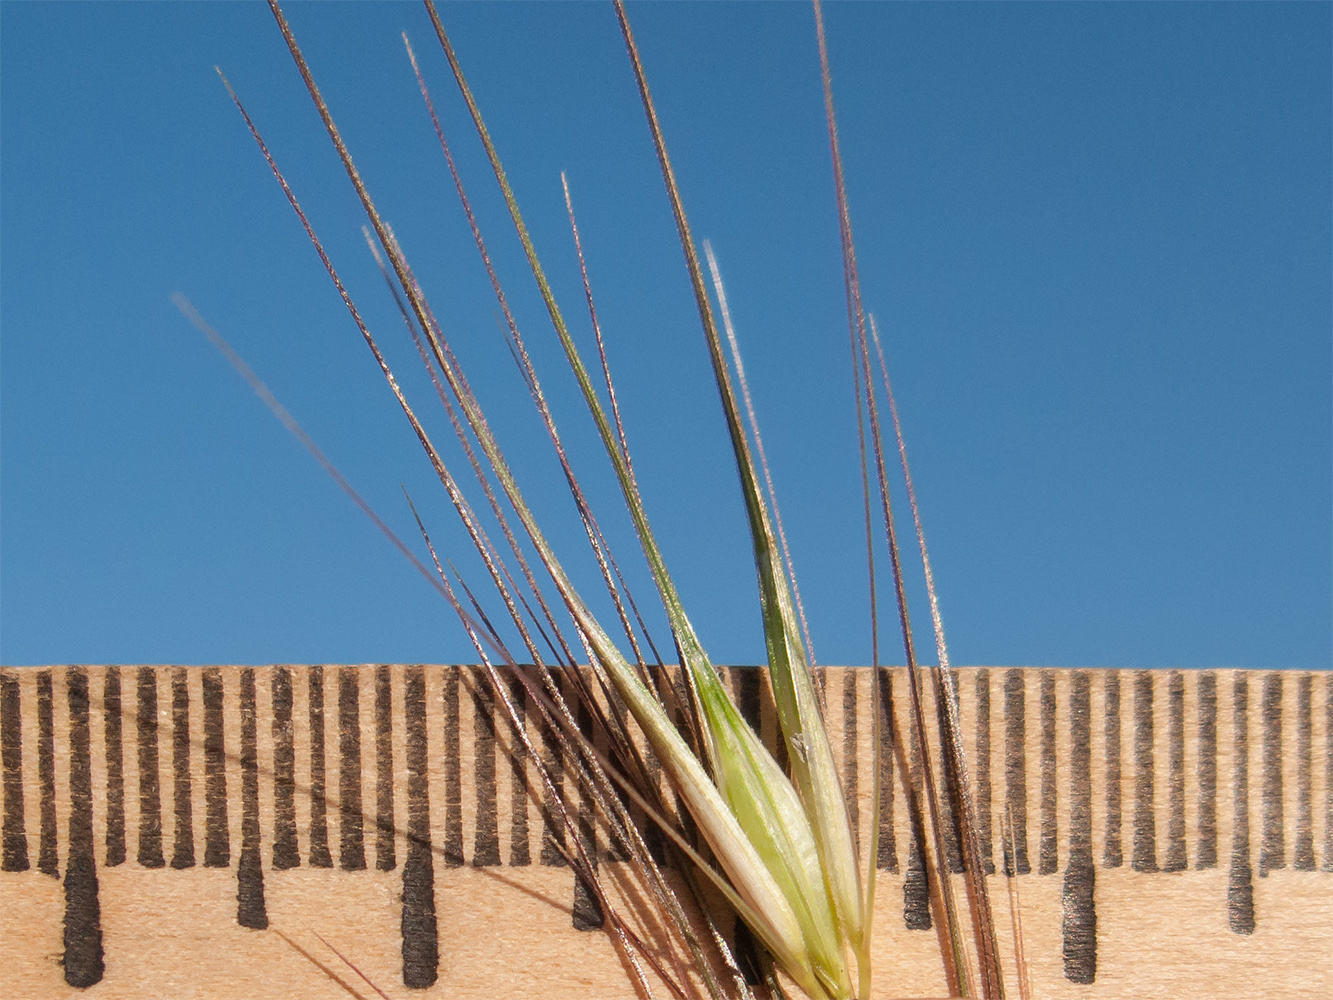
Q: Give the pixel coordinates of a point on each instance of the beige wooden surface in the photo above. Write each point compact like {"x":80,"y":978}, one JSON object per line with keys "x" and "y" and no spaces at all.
{"x":506,"y":930}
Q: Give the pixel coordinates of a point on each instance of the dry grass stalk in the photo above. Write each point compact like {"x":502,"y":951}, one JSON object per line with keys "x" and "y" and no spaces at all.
{"x":783,"y":853}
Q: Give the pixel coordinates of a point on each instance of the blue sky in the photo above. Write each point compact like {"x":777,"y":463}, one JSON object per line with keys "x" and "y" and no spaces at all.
{"x":1097,"y":238}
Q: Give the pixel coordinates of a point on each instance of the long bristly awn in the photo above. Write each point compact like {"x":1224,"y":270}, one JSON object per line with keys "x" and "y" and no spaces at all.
{"x":777,"y":842}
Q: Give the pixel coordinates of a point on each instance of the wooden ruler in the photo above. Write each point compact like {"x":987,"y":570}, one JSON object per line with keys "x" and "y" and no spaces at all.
{"x":179,"y":832}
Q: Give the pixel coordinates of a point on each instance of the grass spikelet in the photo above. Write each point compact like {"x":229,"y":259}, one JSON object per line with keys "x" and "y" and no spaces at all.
{"x":783,"y":849}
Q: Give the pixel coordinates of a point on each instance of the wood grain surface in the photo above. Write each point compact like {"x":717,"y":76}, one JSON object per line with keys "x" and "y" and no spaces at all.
{"x":220,"y":832}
